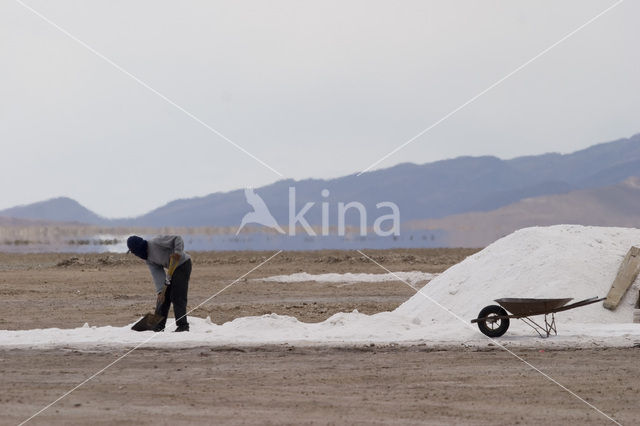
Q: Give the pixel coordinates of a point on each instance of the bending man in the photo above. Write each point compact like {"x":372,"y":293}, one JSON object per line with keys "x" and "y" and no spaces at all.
{"x":166,"y":251}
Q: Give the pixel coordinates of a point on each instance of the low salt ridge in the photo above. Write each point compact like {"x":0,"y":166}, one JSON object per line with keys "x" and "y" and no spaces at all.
{"x":412,"y":277}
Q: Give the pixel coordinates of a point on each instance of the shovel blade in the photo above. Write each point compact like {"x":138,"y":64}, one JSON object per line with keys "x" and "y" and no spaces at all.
{"x":148,"y":322}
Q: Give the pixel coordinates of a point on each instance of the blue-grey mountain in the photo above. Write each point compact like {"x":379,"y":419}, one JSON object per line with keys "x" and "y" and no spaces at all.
{"x":428,"y":191}
{"x":61,"y":209}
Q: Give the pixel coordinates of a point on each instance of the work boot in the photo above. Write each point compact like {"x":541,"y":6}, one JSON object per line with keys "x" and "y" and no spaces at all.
{"x":182,"y":327}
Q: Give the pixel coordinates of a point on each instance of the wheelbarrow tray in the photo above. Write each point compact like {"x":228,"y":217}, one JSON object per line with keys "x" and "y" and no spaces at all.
{"x":525,"y":307}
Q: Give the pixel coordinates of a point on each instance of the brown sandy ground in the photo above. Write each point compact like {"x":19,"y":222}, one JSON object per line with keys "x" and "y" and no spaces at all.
{"x":294,"y":385}
{"x":280,"y":384}
{"x":66,"y":290}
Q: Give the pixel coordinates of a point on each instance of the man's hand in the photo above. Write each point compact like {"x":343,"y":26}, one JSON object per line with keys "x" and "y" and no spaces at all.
{"x":167,"y":280}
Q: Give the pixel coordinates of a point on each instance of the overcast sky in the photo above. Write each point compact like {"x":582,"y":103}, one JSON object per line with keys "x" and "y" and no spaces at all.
{"x":314,"y":89}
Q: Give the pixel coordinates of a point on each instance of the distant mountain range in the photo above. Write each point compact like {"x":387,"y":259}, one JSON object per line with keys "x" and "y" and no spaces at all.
{"x":616,"y":205}
{"x":429,"y":191}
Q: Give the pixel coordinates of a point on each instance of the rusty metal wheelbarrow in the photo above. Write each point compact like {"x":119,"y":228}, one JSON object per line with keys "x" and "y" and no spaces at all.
{"x":493,"y":320}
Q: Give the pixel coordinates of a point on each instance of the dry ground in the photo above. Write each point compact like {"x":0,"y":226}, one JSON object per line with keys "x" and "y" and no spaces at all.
{"x":280,"y":384}
{"x":65,"y":290}
{"x":286,"y":385}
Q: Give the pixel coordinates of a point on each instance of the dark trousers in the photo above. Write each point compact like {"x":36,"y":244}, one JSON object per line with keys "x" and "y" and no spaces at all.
{"x":177,"y":294}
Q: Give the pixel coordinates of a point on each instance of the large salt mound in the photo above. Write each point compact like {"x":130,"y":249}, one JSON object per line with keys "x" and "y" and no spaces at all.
{"x":545,"y":262}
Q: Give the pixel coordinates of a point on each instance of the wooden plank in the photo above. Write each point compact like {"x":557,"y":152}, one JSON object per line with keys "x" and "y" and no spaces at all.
{"x":627,"y":274}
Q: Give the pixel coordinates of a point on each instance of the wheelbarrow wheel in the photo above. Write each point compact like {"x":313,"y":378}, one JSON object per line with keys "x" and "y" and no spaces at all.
{"x":490,"y":326}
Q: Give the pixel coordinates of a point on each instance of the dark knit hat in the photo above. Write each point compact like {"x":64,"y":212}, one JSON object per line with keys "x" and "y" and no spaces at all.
{"x":138,"y":246}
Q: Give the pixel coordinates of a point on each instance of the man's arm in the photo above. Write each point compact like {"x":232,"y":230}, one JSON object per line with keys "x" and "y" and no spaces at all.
{"x":158,"y":275}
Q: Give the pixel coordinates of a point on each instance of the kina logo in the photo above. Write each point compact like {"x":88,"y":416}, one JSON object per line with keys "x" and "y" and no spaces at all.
{"x":260,"y":214}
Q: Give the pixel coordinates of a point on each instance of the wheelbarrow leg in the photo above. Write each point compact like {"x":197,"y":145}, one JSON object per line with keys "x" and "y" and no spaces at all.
{"x":550,"y":325}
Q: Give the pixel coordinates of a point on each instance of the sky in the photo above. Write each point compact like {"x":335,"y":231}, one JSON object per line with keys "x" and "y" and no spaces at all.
{"x":311,"y":89}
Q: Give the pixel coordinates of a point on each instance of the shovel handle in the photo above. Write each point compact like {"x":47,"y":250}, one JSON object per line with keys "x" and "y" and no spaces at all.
{"x":161,"y":297}
{"x":173,"y":264}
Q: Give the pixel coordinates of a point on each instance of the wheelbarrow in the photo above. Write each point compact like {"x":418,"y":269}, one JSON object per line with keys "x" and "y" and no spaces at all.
{"x":493,"y":320}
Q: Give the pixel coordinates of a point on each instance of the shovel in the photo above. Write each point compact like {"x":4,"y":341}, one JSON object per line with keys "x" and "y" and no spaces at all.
{"x":151,"y":320}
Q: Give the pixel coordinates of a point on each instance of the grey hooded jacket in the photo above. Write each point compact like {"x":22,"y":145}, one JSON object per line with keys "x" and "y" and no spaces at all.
{"x":158,"y":256}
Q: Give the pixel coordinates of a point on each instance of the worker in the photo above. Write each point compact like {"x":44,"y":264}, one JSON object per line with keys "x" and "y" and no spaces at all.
{"x":166,"y":251}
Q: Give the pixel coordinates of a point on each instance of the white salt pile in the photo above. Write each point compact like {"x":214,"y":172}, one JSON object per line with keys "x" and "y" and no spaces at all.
{"x":412,"y":277}
{"x":545,"y":262}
